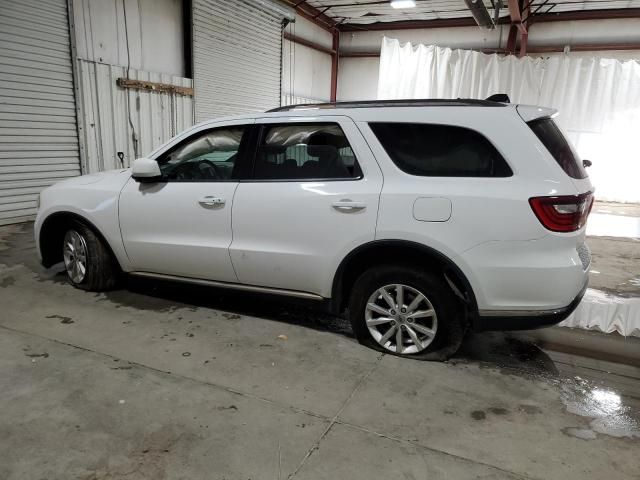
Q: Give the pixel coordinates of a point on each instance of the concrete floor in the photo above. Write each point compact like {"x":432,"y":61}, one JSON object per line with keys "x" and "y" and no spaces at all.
{"x":615,"y":265}
{"x":163,"y":381}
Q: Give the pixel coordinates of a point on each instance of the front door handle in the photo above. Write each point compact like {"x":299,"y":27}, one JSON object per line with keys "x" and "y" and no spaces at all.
{"x":211,"y":201}
{"x":347,"y":205}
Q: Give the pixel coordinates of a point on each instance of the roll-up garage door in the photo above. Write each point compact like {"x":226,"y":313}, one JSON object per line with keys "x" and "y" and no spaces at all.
{"x":38,"y":136}
{"x":236,"y":56}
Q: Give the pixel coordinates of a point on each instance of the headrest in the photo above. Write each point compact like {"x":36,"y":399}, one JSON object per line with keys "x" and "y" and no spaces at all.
{"x":273,"y":149}
{"x":322,"y":150}
{"x":290,"y":162}
{"x":325,"y":138}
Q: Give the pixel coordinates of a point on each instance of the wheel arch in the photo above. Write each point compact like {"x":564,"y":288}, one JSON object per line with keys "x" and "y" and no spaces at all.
{"x":362,"y":257}
{"x":52,"y":234}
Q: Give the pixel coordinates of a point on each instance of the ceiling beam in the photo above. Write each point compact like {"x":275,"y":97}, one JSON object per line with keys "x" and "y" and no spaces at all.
{"x":587,"y":15}
{"x":585,"y":47}
{"x":308,"y":43}
{"x":470,"y":22}
{"x":410,"y":24}
{"x":514,"y":11}
{"x":312,"y":14}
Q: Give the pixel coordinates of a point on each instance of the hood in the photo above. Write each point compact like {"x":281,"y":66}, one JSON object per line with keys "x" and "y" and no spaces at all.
{"x":93,"y":178}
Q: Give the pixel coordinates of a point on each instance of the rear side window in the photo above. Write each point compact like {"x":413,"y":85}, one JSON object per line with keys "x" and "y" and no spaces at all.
{"x":552,"y":138}
{"x":307,"y":151}
{"x":429,"y":150}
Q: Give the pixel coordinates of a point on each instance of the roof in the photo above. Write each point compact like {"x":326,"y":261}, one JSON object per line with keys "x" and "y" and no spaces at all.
{"x":364,"y":12}
{"x":433,"y":102}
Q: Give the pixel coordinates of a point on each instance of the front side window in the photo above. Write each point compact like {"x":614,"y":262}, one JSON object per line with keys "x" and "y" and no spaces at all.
{"x":206,"y":156}
{"x":305,"y":152}
{"x":430,"y":150}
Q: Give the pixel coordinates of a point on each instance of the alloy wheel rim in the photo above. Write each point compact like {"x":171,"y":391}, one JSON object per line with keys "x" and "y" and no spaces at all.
{"x":75,"y":256}
{"x":401,"y":319}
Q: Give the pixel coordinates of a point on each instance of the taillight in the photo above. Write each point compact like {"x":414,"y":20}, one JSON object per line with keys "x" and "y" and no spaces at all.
{"x":566,"y":213}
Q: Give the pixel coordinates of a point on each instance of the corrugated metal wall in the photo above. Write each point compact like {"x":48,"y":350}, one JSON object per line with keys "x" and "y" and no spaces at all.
{"x":236,"y":57}
{"x":146,"y":34}
{"x":288,"y":99}
{"x":38,"y":135}
{"x":156,"y":117}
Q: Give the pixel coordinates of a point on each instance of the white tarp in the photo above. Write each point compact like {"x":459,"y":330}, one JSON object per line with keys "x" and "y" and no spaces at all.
{"x":598,"y":99}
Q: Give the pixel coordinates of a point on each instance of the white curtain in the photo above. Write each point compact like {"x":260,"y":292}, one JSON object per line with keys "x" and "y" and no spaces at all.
{"x":607,"y":313}
{"x":598,"y":99}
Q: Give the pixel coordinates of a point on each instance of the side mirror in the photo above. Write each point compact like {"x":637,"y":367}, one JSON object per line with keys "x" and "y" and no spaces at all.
{"x":146,"y":170}
{"x":586,"y":163}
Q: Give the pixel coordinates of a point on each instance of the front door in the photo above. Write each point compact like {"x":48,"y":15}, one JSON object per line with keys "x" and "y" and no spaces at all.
{"x":313,"y":197}
{"x":182,"y":225}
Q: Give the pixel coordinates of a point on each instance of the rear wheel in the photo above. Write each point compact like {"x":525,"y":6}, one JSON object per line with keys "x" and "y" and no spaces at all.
{"x":87,"y":260}
{"x":406,"y":312}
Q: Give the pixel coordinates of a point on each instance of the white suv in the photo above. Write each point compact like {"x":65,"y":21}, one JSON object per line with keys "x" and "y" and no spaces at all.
{"x":418,"y":218}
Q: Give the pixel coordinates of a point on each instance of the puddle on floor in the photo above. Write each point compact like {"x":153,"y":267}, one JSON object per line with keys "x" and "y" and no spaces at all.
{"x":606,"y":408}
{"x":608,"y":403}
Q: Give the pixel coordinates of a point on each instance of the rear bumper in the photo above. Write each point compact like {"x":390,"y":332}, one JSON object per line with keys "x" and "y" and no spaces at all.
{"x":525,"y":319}
{"x":535,"y":275}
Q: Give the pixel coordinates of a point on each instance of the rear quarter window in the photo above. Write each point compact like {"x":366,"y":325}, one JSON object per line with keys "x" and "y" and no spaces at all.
{"x":553,"y":139}
{"x":430,"y":150}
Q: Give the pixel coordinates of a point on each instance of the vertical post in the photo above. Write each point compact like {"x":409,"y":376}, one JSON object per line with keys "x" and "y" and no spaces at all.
{"x":517,"y":26}
{"x":77,"y":91}
{"x":523,"y":44}
{"x":187,"y":37}
{"x":511,"y":41}
{"x":524,"y":36}
{"x":334,"y":63}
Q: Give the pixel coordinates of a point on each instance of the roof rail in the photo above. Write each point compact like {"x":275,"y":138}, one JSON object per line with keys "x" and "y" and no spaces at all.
{"x":434,"y":102}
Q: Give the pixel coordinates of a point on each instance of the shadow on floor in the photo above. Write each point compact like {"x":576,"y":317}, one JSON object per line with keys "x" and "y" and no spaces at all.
{"x":493,"y":349}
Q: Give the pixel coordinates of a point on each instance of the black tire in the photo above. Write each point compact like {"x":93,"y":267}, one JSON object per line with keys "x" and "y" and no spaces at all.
{"x":102,"y":272}
{"x":451,"y":323}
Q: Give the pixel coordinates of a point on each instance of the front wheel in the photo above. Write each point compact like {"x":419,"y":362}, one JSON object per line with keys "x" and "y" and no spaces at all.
{"x":87,"y":260}
{"x":406,"y":312}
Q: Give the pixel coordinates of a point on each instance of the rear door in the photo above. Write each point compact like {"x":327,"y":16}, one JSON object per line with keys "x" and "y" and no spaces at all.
{"x":312,"y":197}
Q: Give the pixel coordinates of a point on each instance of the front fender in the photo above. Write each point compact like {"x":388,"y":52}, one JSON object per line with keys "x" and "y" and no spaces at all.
{"x":96,"y":203}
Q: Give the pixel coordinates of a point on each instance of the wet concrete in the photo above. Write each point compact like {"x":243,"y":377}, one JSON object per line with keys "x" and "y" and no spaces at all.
{"x":615,"y":265}
{"x":161,"y":380}
{"x":615,"y":247}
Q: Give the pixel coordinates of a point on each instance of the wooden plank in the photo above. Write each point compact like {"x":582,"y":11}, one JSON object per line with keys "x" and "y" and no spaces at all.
{"x":154,"y":86}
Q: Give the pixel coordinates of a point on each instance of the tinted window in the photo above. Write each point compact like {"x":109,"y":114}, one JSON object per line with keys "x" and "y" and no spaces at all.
{"x":305,"y":152}
{"x":552,"y":138}
{"x":440,"y":150}
{"x":207,"y":156}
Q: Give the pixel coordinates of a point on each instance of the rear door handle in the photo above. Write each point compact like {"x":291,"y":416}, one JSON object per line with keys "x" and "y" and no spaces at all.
{"x":211,"y":201}
{"x":347,"y":205}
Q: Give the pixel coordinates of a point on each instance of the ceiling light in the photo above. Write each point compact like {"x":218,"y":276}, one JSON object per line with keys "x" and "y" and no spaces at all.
{"x":403,"y":3}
